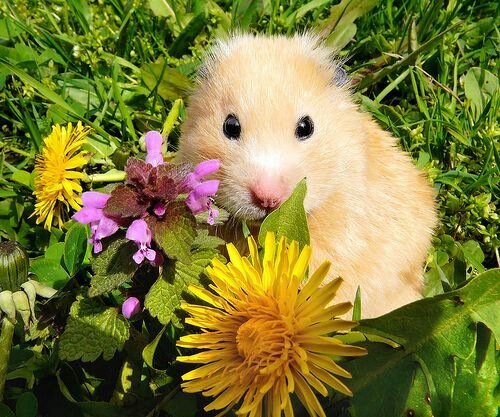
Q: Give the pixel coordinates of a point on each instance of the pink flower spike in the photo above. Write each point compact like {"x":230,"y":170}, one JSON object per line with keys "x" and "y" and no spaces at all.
{"x":95,"y":199}
{"x":88,"y":215}
{"x":212,"y":214}
{"x":206,"y":168}
{"x":154,"y":141}
{"x":196,"y":204}
{"x":206,"y":188}
{"x":130,"y":307}
{"x":139,"y":232}
{"x":159,"y":209}
{"x":106,"y":227}
{"x":92,"y":213}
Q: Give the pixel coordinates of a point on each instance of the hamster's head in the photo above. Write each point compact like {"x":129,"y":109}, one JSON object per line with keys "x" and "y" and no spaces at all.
{"x":273,"y":110}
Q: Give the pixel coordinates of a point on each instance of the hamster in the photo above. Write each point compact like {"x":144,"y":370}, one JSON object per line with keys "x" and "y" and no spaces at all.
{"x":277,"y":109}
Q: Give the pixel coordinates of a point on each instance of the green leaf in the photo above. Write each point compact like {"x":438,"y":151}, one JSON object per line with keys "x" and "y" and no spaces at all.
{"x":100,"y":409}
{"x":480,"y":86}
{"x":6,"y":411}
{"x":169,"y":82}
{"x":166,"y":294}
{"x":55,"y":252}
{"x":113,"y":266}
{"x":175,"y":233}
{"x":148,"y":353}
{"x":473,"y":254}
{"x":75,"y":247}
{"x":289,"y":219}
{"x":93,"y":329}
{"x":49,"y":272}
{"x":188,"y":34}
{"x":22,"y":177}
{"x":161,"y":8}
{"x":26,"y":405}
{"x":445,"y":337}
{"x":340,"y":24}
{"x":182,"y":405}
{"x":356,"y":308}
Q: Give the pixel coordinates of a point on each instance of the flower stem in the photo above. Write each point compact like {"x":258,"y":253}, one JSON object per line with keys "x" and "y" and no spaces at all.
{"x":112,"y":175}
{"x":5,"y":346}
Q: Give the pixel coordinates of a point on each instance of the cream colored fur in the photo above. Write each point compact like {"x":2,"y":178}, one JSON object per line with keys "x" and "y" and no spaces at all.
{"x":370,"y":211}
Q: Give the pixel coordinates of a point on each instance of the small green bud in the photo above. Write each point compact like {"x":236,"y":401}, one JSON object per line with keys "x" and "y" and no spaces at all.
{"x":14,"y":264}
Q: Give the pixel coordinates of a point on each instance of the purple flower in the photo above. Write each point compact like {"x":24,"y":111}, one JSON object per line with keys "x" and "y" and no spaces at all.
{"x":139,"y":232}
{"x":200,"y":194}
{"x":153,"y":148}
{"x":202,"y":170}
{"x":130,"y":307}
{"x":92,"y":213}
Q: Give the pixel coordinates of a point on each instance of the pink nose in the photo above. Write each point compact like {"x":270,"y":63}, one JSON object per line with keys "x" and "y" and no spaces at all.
{"x":268,"y":194}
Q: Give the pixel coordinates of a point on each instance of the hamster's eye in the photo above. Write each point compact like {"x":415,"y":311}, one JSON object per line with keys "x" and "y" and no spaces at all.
{"x":232,"y":127}
{"x":305,"y":128}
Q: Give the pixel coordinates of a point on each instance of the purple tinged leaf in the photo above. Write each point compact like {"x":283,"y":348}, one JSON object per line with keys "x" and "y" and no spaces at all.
{"x":137,"y":172}
{"x":125,"y":203}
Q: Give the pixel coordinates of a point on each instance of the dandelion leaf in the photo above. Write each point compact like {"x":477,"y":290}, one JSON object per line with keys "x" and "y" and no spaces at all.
{"x":92,"y":330}
{"x":446,"y":361}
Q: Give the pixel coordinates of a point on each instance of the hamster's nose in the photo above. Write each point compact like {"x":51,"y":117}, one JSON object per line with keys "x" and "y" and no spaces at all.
{"x":268,"y":194}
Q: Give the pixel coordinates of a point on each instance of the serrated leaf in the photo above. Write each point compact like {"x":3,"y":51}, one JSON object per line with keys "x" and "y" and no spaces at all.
{"x":75,"y":247}
{"x":93,"y":329}
{"x":113,"y":266}
{"x":440,"y":337}
{"x":289,"y":219}
{"x":125,"y":202}
{"x":175,"y":232}
{"x":165,"y":296}
{"x":206,"y":241}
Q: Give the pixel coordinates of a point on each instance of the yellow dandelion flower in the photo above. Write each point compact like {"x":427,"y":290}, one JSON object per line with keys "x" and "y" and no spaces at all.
{"x":57,"y":181}
{"x":263,"y":337}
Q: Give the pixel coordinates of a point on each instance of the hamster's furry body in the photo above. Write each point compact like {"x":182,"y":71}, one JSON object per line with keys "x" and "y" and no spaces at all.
{"x":370,"y":211}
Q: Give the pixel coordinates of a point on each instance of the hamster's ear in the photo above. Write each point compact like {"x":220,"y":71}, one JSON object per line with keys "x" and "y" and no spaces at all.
{"x":340,"y":77}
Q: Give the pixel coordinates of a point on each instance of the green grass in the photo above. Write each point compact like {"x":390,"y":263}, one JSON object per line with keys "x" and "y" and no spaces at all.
{"x":426,"y":70}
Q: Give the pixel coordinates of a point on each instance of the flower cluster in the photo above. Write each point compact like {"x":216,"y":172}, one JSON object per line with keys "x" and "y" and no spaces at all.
{"x":143,"y":201}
